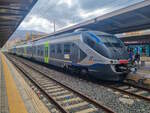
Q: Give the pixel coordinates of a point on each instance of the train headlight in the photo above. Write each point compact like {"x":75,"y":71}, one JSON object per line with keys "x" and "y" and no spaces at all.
{"x":114,"y":62}
{"x":111,"y":62}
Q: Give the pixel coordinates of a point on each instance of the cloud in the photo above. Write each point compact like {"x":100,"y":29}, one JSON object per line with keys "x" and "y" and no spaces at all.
{"x":38,"y":24}
{"x":68,"y":12}
{"x":68,"y":2}
{"x":86,"y":15}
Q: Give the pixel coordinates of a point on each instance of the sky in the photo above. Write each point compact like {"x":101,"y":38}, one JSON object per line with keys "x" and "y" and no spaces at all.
{"x":68,"y":12}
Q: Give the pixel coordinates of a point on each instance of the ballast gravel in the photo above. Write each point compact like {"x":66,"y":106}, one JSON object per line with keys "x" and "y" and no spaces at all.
{"x":117,"y":101}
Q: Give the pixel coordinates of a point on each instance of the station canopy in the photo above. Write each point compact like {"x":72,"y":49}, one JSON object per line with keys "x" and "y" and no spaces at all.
{"x":131,"y":18}
{"x":12,"y":12}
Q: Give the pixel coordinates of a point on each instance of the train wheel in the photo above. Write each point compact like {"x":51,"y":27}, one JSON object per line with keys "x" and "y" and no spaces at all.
{"x":122,"y":77}
{"x":84,"y":71}
{"x":77,"y":71}
{"x":66,"y":69}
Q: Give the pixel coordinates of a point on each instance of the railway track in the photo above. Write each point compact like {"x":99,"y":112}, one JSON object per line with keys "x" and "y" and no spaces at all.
{"x":130,"y":89}
{"x":66,"y":99}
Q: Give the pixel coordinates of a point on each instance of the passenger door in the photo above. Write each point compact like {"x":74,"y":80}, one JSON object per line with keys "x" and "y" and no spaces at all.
{"x":74,"y":53}
{"x":46,"y":54}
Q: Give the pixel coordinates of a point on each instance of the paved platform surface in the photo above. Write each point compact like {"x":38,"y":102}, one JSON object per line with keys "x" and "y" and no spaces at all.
{"x":3,"y":95}
{"x":16,"y":96}
{"x":145,"y":70}
{"x":142,"y":74}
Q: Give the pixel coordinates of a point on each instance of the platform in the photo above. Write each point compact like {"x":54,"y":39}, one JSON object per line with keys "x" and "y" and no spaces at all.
{"x":16,"y":96}
{"x":142,"y":75}
{"x":3,"y":95}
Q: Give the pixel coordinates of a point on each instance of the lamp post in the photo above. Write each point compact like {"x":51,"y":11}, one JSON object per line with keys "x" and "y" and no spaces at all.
{"x":54,"y":27}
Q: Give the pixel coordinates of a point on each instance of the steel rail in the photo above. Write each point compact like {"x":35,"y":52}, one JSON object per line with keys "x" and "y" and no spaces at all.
{"x":39,"y":87}
{"x":94,"y":102}
{"x":136,"y":86}
{"x":127,"y":92}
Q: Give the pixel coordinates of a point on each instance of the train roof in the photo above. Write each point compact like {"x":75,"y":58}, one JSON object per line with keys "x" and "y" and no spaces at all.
{"x":47,"y":38}
{"x":76,"y":32}
{"x":24,"y":45}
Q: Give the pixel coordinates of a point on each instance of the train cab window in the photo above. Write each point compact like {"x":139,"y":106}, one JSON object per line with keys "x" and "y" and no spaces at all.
{"x":87,"y":39}
{"x":59,"y":48}
{"x":94,"y":44}
{"x":111,"y":41}
{"x":67,"y":48}
{"x":90,"y":42}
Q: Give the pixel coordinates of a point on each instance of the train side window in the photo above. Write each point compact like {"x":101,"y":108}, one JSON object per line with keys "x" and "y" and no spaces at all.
{"x":38,"y":51}
{"x":52,"y":49}
{"x":30,"y":50}
{"x":27,"y":50}
{"x":59,"y":49}
{"x":34,"y":50}
{"x":67,"y":48}
{"x":42,"y":53}
{"x":82,"y":55}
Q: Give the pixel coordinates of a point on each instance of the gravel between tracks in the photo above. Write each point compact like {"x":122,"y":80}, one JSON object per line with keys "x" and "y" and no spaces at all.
{"x":120,"y":103}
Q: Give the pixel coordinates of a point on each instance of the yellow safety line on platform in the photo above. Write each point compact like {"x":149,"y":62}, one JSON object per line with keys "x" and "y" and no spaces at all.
{"x":36,"y":102}
{"x":15,"y":102}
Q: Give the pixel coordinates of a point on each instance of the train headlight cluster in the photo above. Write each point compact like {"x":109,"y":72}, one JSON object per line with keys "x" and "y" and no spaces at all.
{"x":119,"y":61}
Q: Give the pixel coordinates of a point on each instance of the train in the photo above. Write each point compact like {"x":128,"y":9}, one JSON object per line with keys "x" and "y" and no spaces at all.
{"x":95,"y":53}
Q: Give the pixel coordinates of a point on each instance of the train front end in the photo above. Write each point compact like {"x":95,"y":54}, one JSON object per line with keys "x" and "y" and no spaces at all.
{"x":110,"y":57}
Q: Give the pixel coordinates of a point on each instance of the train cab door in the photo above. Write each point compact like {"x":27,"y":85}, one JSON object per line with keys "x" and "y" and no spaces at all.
{"x":46,"y":54}
{"x":74,"y":53}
